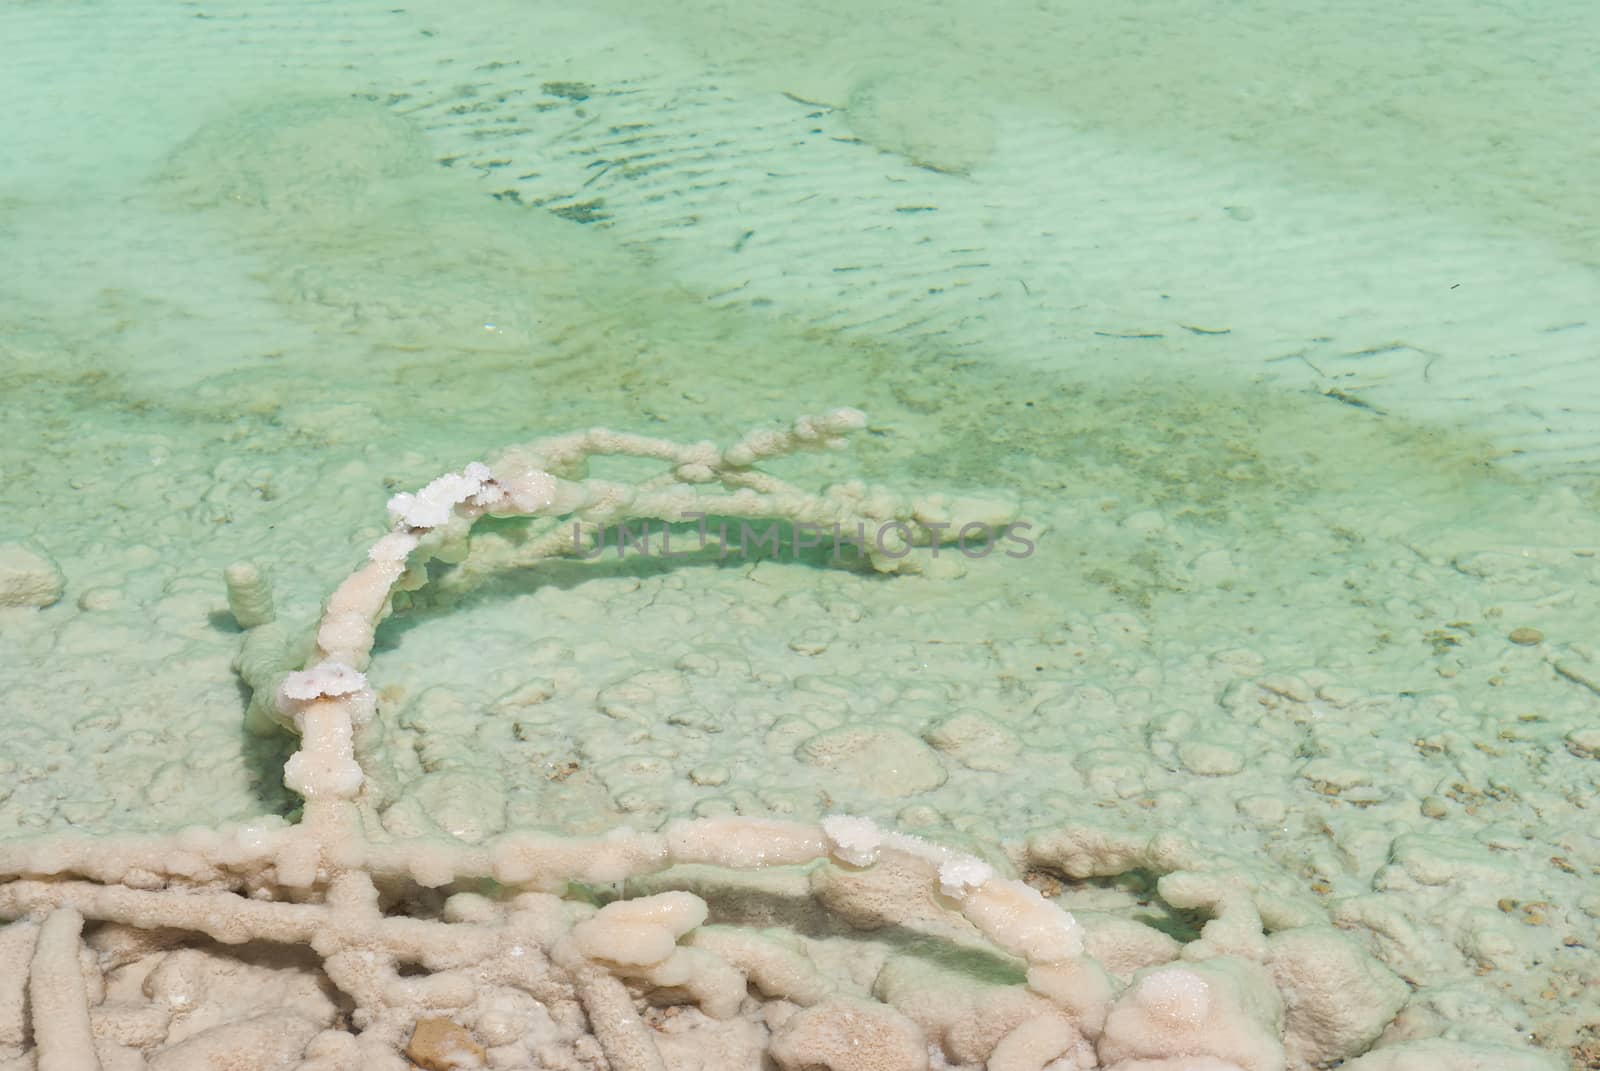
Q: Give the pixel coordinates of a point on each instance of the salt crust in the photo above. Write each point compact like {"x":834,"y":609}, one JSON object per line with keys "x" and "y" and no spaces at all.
{"x":544,"y":979}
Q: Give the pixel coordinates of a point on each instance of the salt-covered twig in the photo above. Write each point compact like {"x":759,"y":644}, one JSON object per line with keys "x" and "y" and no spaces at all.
{"x":316,"y":884}
{"x":59,"y":998}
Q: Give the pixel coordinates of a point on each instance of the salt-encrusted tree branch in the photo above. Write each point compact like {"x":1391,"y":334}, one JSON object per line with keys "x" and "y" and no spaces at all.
{"x":704,"y":481}
{"x":317,"y":883}
{"x":549,"y":479}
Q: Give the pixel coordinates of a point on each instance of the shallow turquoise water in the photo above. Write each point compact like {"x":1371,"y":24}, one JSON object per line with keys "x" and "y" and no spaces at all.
{"x":1277,"y":322}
